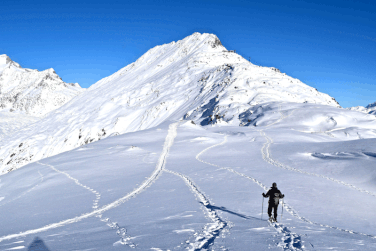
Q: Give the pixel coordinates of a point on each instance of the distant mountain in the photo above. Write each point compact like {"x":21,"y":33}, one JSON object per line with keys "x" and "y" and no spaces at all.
{"x":370,"y":109}
{"x":31,"y":91}
{"x":196,"y":79}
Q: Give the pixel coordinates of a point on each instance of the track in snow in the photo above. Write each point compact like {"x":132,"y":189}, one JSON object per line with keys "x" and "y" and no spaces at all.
{"x":290,"y":240}
{"x":211,"y":230}
{"x":266,"y":155}
{"x":28,"y":191}
{"x":97,"y":194}
{"x":157,"y":171}
{"x":121,"y":232}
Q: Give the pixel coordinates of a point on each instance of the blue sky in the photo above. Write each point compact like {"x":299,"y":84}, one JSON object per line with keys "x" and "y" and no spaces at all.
{"x":330,"y":45}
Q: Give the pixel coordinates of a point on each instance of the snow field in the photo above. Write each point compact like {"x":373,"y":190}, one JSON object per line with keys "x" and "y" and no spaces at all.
{"x":201,"y":190}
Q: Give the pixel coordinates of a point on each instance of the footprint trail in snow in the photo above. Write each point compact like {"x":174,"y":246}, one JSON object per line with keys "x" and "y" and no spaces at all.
{"x":211,"y":230}
{"x":157,"y":171}
{"x":290,"y":240}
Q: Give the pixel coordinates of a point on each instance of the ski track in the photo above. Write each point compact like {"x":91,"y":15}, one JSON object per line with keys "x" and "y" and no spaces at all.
{"x":290,"y":240}
{"x":28,"y":191}
{"x":285,"y":205}
{"x":96,"y":193}
{"x":266,"y":155}
{"x":157,"y":171}
{"x":121,"y":232}
{"x":211,"y":230}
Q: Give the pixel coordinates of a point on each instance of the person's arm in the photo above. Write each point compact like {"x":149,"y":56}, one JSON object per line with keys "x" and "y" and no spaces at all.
{"x":267,"y":194}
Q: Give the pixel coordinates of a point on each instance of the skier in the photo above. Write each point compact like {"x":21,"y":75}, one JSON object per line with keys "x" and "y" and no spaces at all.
{"x":274,"y":195}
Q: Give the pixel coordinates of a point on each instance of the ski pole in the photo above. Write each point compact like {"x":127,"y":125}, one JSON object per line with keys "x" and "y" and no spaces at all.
{"x":262,"y":208}
{"x":282,"y":210}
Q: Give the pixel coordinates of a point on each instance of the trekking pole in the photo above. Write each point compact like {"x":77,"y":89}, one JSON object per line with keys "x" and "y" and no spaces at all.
{"x":262,"y":208}
{"x":282,"y":210}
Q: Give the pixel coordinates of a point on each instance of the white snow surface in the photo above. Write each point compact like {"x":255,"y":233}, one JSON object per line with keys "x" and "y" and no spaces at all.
{"x":30,"y":91}
{"x":195,"y":78}
{"x":180,"y":186}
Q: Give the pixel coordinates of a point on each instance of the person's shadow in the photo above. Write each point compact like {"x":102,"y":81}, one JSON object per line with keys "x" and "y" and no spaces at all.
{"x":232,"y":212}
{"x":37,"y":245}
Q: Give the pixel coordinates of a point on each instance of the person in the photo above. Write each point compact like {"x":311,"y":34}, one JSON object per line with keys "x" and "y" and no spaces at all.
{"x":274,"y":195}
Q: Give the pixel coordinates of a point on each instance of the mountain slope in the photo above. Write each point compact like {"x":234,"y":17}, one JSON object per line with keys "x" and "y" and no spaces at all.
{"x":195,"y":78}
{"x":30,"y":91}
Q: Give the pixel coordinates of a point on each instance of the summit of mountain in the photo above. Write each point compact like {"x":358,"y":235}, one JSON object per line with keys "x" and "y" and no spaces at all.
{"x":195,"y":79}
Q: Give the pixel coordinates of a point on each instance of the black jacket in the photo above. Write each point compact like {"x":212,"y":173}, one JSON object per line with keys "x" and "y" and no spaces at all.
{"x":274,"y":195}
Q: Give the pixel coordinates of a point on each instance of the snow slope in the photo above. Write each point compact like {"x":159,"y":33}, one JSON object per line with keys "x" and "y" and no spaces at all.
{"x":195,"y":78}
{"x":181,"y":186}
{"x":30,"y":91}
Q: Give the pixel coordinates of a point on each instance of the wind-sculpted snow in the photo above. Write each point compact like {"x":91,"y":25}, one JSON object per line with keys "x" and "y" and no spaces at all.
{"x":30,"y":91}
{"x":195,"y":78}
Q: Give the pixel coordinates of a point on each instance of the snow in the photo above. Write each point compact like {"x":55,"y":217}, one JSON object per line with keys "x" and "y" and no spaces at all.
{"x":174,"y":157}
{"x":195,"y":78}
{"x":369,"y":109}
{"x":195,"y":187}
{"x":30,"y":91}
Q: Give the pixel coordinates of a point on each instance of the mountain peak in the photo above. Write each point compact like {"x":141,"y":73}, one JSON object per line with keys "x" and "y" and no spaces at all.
{"x":4,"y":59}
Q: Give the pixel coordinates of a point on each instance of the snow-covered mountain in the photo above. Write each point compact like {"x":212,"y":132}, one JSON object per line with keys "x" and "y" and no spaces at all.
{"x":195,"y":78}
{"x":30,"y":91}
{"x":370,"y":109}
{"x":204,"y":134}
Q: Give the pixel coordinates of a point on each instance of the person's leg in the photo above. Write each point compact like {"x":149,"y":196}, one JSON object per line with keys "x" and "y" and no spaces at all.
{"x":270,"y":207}
{"x":275,"y":211}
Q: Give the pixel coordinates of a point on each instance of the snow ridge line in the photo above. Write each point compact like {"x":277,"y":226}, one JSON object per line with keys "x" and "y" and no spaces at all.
{"x":211,"y":230}
{"x":266,"y":155}
{"x":290,"y":240}
{"x":28,"y":191}
{"x":97,"y":194}
{"x":160,"y":165}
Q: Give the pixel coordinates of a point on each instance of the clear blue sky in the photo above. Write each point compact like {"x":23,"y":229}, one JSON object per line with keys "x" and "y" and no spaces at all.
{"x":330,"y":45}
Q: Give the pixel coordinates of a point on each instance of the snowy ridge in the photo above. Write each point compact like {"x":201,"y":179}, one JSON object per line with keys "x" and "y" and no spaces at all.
{"x":30,"y":91}
{"x":369,"y":109}
{"x":195,"y":78}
